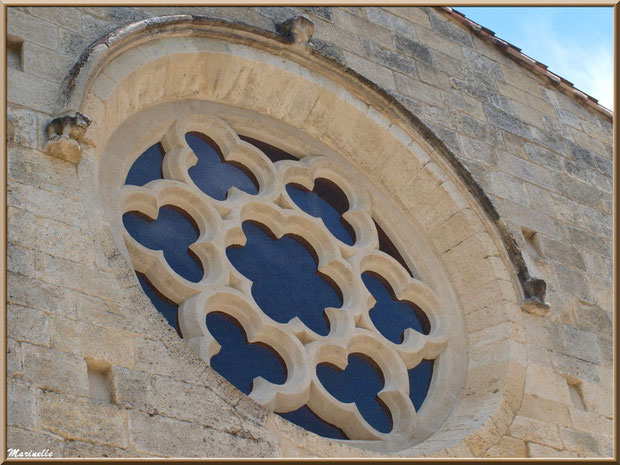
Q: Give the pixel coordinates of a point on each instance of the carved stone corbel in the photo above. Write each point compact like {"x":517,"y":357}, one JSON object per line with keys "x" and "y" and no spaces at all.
{"x":534,"y":301}
{"x":64,"y":134}
{"x":298,"y":30}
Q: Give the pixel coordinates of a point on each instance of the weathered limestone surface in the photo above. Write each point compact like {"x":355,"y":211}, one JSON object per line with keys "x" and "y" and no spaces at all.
{"x":543,"y":157}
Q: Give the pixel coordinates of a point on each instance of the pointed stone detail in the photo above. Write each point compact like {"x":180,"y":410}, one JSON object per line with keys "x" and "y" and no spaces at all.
{"x":298,"y":30}
{"x":64,"y":134}
{"x":534,"y":302}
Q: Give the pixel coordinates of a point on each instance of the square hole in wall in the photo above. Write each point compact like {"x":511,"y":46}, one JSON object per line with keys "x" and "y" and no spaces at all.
{"x":14,"y":52}
{"x":574,"y":389}
{"x":99,"y":381}
{"x":532,"y":242}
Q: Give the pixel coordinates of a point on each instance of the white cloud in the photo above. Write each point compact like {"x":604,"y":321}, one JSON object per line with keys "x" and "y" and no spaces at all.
{"x":590,"y":69}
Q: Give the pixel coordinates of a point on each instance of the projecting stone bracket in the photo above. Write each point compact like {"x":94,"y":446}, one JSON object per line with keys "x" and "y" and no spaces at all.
{"x":64,"y":134}
{"x":534,"y":301}
{"x":298,"y":30}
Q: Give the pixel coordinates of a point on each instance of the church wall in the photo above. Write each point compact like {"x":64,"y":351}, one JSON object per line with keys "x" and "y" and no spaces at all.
{"x":542,"y":156}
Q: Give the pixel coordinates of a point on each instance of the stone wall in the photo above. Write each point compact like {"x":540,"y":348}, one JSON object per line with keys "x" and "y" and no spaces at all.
{"x":543,"y":157}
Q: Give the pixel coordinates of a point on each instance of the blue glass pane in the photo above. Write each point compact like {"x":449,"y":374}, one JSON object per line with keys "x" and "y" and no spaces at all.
{"x":359,"y":382}
{"x":307,"y":419}
{"x":212,"y":174}
{"x":390,"y":316}
{"x":387,"y":246}
{"x":419,"y":382}
{"x":173,"y":232}
{"x":147,"y":167}
{"x":239,"y":361}
{"x":166,"y":307}
{"x":325,"y":201}
{"x":285,"y":278}
{"x":273,"y":153}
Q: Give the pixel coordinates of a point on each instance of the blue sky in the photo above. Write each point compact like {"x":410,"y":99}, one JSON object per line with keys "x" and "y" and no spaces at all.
{"x":575,"y":42}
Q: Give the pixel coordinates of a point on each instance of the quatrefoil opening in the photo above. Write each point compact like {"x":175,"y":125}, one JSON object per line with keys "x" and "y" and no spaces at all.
{"x":147,"y":167}
{"x":257,"y":359}
{"x":194,"y":320}
{"x":421,"y":333}
{"x":171,"y":222}
{"x":326,"y":201}
{"x":151,"y":260}
{"x":361,"y":415}
{"x":391,"y":316}
{"x":358,"y":383}
{"x":322,"y":189}
{"x":220,"y":164}
{"x":212,"y":174}
{"x":285,"y":280}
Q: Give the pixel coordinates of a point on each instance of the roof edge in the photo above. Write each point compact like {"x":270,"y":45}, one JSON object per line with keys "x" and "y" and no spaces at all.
{"x":536,"y":66}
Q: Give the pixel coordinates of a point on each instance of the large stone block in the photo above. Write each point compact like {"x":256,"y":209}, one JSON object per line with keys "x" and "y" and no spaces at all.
{"x":48,"y":204}
{"x":162,"y":436}
{"x":27,"y":324}
{"x":540,"y":432}
{"x":508,"y":447}
{"x":55,"y":371}
{"x":572,"y":367}
{"x":40,"y":61}
{"x":590,"y":422}
{"x":535,"y":450}
{"x":110,"y":314}
{"x":35,"y":168}
{"x":390,"y":59}
{"x":544,"y":383}
{"x":20,"y":404}
{"x":79,"y":419}
{"x":31,"y":91}
{"x":584,"y":444}
{"x":20,"y":260}
{"x":391,"y":22}
{"x":193,"y":403}
{"x":28,"y":292}
{"x":408,"y":46}
{"x":154,"y":357}
{"x":28,"y":27}
{"x":545,"y":410}
{"x":78,"y":277}
{"x":99,"y":343}
{"x":74,"y":449}
{"x":598,"y":399}
{"x":131,"y":388}
{"x":21,"y":127}
{"x":416,"y":15}
{"x":449,"y":29}
{"x":33,"y":441}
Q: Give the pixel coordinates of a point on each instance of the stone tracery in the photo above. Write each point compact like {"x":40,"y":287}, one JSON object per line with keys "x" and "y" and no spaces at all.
{"x":224,"y":289}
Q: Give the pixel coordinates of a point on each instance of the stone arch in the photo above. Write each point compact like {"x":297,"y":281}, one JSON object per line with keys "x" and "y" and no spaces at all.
{"x":143,"y":68}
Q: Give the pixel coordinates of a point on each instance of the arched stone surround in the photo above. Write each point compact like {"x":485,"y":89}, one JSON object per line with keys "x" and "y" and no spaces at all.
{"x":253,"y":81}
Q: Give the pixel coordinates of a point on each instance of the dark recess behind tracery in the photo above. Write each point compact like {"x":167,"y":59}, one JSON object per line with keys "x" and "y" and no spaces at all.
{"x":273,"y":153}
{"x":386,"y":245}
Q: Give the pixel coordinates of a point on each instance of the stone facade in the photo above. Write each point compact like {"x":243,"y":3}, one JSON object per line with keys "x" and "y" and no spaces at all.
{"x":77,"y":318}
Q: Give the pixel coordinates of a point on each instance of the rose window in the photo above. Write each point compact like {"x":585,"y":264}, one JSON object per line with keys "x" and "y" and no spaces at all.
{"x":272,"y":267}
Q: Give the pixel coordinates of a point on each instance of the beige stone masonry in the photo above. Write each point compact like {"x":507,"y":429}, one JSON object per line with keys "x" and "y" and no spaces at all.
{"x":512,"y":378}
{"x":360,"y":149}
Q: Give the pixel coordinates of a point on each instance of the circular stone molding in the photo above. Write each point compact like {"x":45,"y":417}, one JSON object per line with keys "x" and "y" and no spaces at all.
{"x":147,"y":89}
{"x":224,"y":289}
